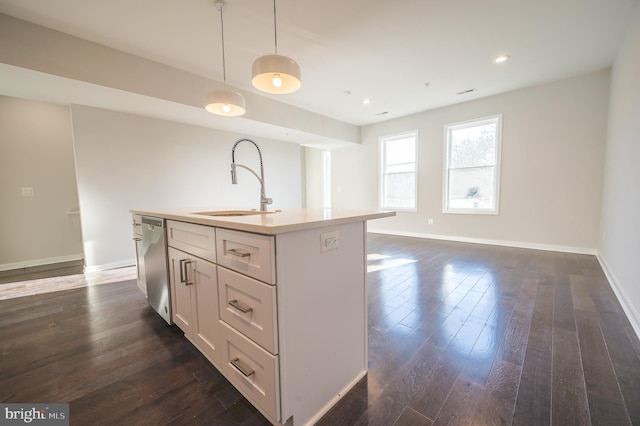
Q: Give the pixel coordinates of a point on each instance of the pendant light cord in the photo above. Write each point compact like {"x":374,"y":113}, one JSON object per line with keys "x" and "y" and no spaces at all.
{"x":275,"y":27}
{"x":224,"y":65}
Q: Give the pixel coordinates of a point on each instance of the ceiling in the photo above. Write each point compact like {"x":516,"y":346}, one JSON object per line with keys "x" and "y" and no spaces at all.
{"x":406,"y":56}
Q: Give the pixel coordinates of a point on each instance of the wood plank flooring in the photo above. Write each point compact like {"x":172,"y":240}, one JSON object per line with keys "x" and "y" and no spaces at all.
{"x":458,"y":334}
{"x":485,"y":335}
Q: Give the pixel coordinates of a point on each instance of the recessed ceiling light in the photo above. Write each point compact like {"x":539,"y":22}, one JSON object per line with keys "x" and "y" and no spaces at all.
{"x":501,"y":59}
{"x":366,"y":101}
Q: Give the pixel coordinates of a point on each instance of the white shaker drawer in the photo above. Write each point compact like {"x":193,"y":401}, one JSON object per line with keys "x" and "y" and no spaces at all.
{"x":249,"y":306}
{"x":247,"y":253}
{"x":198,"y":240}
{"x":252,"y":370}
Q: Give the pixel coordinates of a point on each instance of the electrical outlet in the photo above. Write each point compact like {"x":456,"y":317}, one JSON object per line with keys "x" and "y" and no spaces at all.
{"x":430,"y":221}
{"x":329,"y":241}
{"x":27,"y":192}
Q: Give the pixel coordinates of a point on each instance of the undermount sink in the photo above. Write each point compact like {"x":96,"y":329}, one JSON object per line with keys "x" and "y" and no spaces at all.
{"x":233,"y":213}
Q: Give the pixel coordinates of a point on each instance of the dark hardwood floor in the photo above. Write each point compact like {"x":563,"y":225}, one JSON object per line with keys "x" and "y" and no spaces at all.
{"x":458,"y":334}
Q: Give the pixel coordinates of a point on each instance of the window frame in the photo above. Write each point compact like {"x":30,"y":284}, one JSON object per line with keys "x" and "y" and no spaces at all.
{"x":382,"y":142}
{"x":448,"y":128}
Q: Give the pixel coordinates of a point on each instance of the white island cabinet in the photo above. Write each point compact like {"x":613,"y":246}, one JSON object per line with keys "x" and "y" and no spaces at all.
{"x":194,"y":284}
{"x":277,"y":302}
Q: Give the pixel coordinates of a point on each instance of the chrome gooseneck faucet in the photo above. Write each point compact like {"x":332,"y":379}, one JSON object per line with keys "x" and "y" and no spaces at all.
{"x":264,"y":201}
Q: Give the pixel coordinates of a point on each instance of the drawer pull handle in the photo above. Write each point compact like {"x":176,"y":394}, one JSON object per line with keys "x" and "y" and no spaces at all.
{"x":241,"y":367}
{"x":184,"y":272}
{"x":239,"y":252}
{"x":242,"y":308}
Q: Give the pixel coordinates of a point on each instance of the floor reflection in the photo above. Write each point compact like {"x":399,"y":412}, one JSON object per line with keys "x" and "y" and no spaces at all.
{"x":378,"y":262}
{"x":469,"y":299}
{"x":395,"y":292}
{"x":459,"y":305}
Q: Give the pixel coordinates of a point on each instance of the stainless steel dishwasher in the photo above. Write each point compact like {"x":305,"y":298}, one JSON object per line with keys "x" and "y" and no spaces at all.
{"x":154,"y":249}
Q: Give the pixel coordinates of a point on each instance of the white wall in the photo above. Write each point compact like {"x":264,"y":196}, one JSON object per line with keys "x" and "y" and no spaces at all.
{"x":128,"y":162}
{"x":36,"y":151}
{"x":551,"y":177}
{"x":314,"y":178}
{"x":620,"y":238}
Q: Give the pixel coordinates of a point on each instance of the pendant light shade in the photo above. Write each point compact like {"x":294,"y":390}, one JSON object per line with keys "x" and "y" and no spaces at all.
{"x":276,"y":73}
{"x":224,"y":102}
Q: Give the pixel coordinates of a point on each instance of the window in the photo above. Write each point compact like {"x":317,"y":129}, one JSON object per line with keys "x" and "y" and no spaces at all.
{"x":472,"y":166}
{"x":398,"y":171}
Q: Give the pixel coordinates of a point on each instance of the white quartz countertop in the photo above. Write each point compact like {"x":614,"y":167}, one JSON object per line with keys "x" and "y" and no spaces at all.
{"x":274,"y":222}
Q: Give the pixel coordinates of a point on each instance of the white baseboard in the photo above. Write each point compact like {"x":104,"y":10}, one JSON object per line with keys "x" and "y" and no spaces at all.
{"x":629,"y":310}
{"x":106,"y":266}
{"x":40,"y":262}
{"x":517,"y":244}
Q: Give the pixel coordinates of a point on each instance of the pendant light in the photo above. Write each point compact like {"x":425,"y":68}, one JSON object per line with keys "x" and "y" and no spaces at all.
{"x":276,"y":73}
{"x":224,"y":102}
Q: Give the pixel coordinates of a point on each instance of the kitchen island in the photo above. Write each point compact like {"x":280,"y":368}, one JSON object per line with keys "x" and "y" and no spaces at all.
{"x":275,"y":300}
